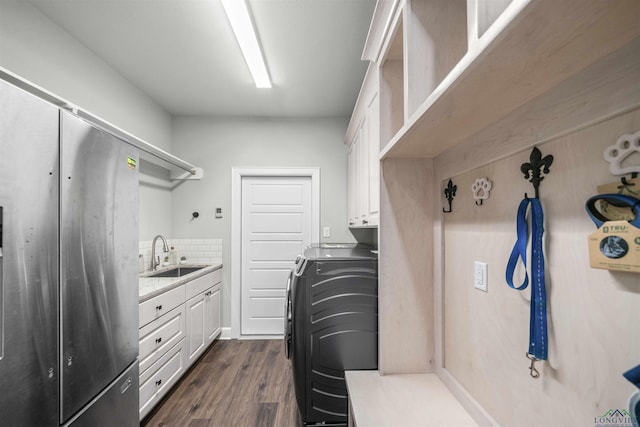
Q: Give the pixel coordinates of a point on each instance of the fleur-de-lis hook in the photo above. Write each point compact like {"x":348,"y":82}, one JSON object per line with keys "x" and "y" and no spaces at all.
{"x":532,"y":170}
{"x":450,"y":193}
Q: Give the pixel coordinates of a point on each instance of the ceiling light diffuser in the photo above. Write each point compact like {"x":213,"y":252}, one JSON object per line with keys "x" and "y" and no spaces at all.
{"x":240,"y":21}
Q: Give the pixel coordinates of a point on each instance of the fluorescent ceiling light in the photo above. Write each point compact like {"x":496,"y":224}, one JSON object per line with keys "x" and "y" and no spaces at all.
{"x":240,"y":21}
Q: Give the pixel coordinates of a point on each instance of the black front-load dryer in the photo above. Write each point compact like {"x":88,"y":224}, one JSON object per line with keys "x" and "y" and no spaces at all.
{"x":331,"y":325}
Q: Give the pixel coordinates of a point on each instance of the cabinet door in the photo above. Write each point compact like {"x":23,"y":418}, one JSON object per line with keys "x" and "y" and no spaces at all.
{"x":352,"y":183}
{"x":195,"y":339}
{"x":358,"y":178}
{"x":363,"y":175}
{"x":202,"y":283}
{"x":373,"y":142}
{"x":212,"y":313}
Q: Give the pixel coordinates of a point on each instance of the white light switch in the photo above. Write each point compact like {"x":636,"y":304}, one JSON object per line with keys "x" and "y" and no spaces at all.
{"x":326,"y":231}
{"x":480,"y":275}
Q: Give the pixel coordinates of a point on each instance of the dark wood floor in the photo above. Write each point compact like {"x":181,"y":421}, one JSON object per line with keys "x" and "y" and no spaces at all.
{"x":235,"y":383}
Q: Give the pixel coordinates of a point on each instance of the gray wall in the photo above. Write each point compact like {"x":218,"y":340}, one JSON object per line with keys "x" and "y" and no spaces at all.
{"x":218,"y":144}
{"x":35,"y":48}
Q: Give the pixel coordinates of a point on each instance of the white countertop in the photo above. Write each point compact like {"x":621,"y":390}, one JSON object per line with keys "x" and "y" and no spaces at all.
{"x":150,"y":287}
{"x":403,"y":400}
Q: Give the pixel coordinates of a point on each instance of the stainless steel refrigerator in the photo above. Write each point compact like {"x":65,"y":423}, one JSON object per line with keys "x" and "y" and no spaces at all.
{"x":68,"y":269}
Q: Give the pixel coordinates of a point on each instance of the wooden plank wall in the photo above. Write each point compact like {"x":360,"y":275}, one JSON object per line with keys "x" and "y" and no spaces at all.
{"x":594,"y":315}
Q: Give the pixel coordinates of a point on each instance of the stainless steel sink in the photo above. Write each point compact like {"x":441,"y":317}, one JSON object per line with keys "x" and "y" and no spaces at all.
{"x":176,"y":272}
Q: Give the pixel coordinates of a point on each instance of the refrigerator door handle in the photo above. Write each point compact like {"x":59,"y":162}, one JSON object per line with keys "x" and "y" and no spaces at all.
{"x":1,"y":217}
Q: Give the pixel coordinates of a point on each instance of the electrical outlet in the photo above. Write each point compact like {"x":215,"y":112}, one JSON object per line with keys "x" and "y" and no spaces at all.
{"x":480,"y":275}
{"x":326,"y":232}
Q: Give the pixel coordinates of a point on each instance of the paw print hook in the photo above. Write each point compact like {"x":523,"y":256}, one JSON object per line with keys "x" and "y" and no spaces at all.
{"x":449,"y":194}
{"x":480,"y":189}
{"x":625,"y":147}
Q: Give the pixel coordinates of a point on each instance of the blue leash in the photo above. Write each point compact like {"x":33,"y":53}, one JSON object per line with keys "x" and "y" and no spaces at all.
{"x":538,"y":315}
{"x":617,"y":200}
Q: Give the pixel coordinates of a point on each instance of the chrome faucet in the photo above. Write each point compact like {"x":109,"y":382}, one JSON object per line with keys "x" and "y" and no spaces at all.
{"x":165,"y":248}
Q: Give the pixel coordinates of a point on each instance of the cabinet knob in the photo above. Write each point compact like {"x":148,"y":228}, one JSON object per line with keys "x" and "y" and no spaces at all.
{"x":364,"y":221}
{"x":159,"y":307}
{"x":158,"y":340}
{"x":158,"y":382}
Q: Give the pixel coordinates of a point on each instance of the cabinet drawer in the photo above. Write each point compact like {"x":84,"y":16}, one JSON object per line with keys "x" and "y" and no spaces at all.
{"x":199,"y":285}
{"x":156,"y":381}
{"x":162,"y":304}
{"x":160,"y":335}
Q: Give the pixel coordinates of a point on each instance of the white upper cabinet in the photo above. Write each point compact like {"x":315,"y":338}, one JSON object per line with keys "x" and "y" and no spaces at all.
{"x":372,"y":126}
{"x":364,"y":147}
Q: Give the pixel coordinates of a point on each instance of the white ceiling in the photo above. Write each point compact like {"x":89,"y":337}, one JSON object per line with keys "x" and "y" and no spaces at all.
{"x":183,"y":54}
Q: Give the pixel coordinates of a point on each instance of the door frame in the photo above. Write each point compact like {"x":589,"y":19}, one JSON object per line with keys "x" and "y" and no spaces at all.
{"x":237,"y":173}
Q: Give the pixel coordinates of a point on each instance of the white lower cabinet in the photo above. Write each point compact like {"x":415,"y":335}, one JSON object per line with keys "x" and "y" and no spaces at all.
{"x":203,"y":322}
{"x":212,"y":314}
{"x":176,"y":327}
{"x":195,"y":327}
{"x":156,"y":381}
{"x":159,"y":336}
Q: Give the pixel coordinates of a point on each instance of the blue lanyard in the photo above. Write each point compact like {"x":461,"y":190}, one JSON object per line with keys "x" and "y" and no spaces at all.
{"x":538,"y":313}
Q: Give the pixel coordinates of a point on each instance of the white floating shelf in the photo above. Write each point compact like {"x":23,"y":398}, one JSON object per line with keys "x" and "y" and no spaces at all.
{"x":157,"y":155}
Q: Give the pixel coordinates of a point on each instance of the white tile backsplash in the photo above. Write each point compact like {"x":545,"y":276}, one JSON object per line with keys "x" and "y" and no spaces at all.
{"x":197,"y":251}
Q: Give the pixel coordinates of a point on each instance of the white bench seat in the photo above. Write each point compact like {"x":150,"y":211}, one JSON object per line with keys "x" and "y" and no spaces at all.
{"x":416,"y":400}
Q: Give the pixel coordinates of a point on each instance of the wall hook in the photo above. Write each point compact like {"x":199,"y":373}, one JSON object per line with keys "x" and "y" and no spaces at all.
{"x":480,"y":189}
{"x":449,"y":194}
{"x":532,"y":170}
{"x":624,"y":184}
{"x":625,"y":147}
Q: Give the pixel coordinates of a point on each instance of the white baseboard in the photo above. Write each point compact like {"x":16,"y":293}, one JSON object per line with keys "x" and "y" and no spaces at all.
{"x":467,"y":401}
{"x":261,"y":337}
{"x":227,"y":334}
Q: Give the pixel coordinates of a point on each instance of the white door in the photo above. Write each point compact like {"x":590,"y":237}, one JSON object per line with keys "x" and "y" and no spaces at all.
{"x":276,"y":226}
